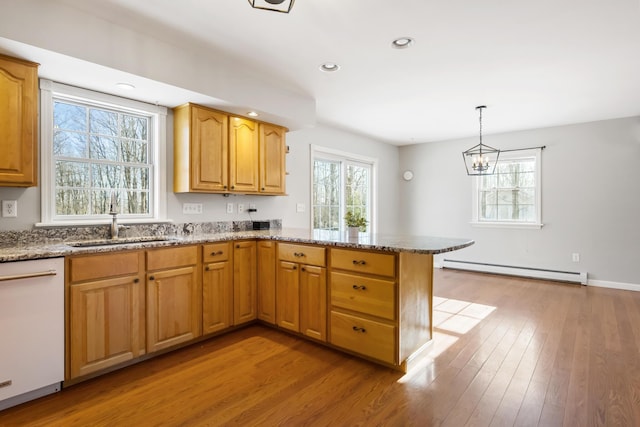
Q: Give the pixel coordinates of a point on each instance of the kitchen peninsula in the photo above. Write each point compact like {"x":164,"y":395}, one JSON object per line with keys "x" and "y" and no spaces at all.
{"x":370,"y":296}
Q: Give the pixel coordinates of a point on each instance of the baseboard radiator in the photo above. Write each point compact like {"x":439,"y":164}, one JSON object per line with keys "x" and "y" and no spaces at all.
{"x":537,"y":273}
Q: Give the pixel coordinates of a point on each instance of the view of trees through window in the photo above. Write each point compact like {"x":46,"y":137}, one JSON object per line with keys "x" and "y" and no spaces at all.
{"x":339,"y":186}
{"x":510,"y":193}
{"x":100,"y":153}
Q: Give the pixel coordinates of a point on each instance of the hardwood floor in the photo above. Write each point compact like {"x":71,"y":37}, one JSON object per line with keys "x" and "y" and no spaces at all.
{"x":507,"y":351}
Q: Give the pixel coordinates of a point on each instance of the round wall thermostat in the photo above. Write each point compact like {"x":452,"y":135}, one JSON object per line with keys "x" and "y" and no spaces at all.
{"x":407,"y":175}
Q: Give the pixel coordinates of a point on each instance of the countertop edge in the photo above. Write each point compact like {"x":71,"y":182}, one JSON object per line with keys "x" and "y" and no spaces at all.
{"x":383,"y":243}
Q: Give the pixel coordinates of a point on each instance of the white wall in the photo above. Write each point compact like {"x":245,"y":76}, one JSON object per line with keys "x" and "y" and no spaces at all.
{"x":269,"y":207}
{"x":299,"y":164}
{"x":590,"y":200}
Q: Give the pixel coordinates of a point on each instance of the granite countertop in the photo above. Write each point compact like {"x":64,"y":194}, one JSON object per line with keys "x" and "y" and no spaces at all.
{"x":380,"y":242}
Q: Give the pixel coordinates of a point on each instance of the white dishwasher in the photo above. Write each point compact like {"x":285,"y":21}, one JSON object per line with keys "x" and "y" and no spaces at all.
{"x":31,"y":329}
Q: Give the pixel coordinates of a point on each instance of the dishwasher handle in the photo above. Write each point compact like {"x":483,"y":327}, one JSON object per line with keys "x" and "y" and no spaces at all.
{"x":28,"y":275}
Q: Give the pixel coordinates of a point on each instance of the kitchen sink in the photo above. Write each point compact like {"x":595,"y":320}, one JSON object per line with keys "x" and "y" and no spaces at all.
{"x":117,"y":241}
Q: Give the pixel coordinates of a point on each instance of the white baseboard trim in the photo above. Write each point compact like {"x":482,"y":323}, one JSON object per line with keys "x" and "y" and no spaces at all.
{"x":614,"y":285}
{"x":596,"y":283}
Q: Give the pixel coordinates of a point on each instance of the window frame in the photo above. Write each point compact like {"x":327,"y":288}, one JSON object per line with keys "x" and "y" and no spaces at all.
{"x":475,"y":187}
{"x":157,"y":153}
{"x":319,"y":152}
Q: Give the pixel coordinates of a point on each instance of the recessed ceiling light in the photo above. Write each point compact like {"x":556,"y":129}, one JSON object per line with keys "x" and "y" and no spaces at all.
{"x":329,"y":67}
{"x":125,"y":86}
{"x":402,"y":42}
{"x":252,"y":114}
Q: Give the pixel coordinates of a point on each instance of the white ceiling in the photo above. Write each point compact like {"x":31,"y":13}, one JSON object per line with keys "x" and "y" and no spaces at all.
{"x":534,"y":64}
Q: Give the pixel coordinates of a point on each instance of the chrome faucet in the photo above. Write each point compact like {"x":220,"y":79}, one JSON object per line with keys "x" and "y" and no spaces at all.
{"x":114,"y":224}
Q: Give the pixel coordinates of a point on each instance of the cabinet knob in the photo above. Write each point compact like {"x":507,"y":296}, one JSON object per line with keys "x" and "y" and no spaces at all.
{"x":233,"y":187}
{"x":136,"y":280}
{"x":206,"y":268}
{"x":359,"y":329}
{"x":262,"y":188}
{"x":359,"y":262}
{"x":295,"y":268}
{"x":152,"y":278}
{"x":303,"y":269}
{"x":225,"y":187}
{"x":360,"y":287}
{"x":237,"y":246}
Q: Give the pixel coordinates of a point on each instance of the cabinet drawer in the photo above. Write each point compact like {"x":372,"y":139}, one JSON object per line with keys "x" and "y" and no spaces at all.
{"x":372,"y":296}
{"x":173,"y":257}
{"x":302,"y":254}
{"x":364,"y":262}
{"x":367,"y":337}
{"x":103,"y":265}
{"x":215,"y":252}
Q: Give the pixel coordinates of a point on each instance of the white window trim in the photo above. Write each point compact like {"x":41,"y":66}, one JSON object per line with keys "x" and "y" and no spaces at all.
{"x":509,"y":224}
{"x":333,"y":154}
{"x":49,"y":89}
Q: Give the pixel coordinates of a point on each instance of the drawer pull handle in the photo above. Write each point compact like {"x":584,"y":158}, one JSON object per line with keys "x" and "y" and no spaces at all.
{"x":359,"y":262}
{"x":360,"y":287}
{"x":216,"y":253}
{"x":359,"y":329}
{"x":298,"y":254}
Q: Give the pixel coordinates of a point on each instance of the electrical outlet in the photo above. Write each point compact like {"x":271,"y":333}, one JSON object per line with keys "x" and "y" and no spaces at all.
{"x":575,"y":257}
{"x":240,"y":208}
{"x":229,"y":207}
{"x":9,"y":208}
{"x":191,"y":208}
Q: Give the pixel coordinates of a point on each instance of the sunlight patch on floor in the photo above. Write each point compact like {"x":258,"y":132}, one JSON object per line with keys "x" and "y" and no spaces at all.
{"x":451,"y":319}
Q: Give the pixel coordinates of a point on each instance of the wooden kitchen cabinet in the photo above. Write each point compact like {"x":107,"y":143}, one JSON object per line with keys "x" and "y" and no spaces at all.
{"x":106,"y":311}
{"x":217,"y":287}
{"x":18,"y":122}
{"x":215,"y":152}
{"x":272,"y":158}
{"x":174,"y":297}
{"x":245,"y":282}
{"x":267,"y":281}
{"x":200,"y":150}
{"x":244,"y":155}
{"x":301,"y":290}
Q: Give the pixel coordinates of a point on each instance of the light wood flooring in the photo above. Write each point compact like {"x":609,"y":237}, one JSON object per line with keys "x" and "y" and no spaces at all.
{"x":507,"y":351}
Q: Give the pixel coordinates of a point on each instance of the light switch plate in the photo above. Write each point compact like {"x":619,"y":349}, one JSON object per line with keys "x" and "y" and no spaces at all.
{"x":300,"y":207}
{"x":191,"y":208}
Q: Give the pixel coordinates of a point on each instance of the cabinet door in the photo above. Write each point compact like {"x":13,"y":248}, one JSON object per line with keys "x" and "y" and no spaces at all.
{"x":173,"y":307}
{"x":288,"y":296}
{"x":313,"y":302}
{"x":106,"y":324}
{"x":243,"y":155}
{"x":217,"y":297}
{"x":18,"y":122}
{"x":272,"y":159}
{"x":267,"y":281}
{"x":244,"y":282}
{"x":209,"y":161}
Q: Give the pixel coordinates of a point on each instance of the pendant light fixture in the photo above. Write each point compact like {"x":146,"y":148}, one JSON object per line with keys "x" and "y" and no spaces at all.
{"x":481,"y":159}
{"x":283,"y":6}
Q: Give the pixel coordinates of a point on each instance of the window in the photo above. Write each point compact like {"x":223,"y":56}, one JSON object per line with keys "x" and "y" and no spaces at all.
{"x":100,"y":149}
{"x":511,"y":196}
{"x":341,"y":182}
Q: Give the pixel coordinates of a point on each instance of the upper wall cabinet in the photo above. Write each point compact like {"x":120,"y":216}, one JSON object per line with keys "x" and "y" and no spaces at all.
{"x":215,"y":152}
{"x":18,"y":122}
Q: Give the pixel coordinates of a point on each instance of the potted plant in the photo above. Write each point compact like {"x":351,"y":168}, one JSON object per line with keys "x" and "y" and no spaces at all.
{"x":355,"y":223}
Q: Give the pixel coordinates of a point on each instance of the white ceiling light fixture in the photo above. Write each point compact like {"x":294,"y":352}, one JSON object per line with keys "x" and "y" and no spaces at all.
{"x":252,"y":114}
{"x":481,"y":159}
{"x":283,"y":6}
{"x":329,"y":67}
{"x":402,"y":42}
{"x":125,"y":86}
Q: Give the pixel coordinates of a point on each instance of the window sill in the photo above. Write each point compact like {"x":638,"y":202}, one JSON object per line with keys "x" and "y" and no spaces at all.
{"x":535,"y":226}
{"x":98,"y":222}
